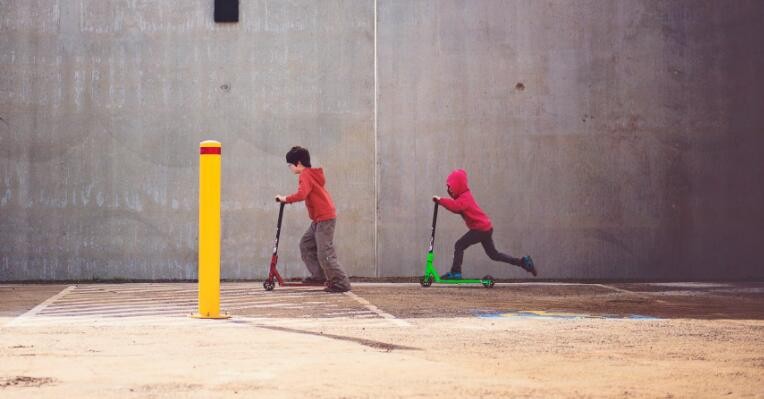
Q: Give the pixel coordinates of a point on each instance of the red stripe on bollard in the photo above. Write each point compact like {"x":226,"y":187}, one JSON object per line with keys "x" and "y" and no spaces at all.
{"x":209,"y":150}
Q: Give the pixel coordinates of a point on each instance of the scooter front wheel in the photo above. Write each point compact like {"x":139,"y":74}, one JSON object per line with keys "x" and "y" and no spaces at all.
{"x":488,"y":281}
{"x":425,"y":281}
{"x":269,"y":285}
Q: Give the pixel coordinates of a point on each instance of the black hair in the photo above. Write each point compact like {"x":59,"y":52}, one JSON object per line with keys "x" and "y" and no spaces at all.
{"x":298,"y":154}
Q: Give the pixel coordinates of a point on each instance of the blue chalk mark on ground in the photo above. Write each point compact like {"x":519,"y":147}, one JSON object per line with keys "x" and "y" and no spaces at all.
{"x":543,"y":314}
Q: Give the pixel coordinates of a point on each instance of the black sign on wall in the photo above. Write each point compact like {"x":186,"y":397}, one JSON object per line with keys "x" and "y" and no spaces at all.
{"x":226,"y":10}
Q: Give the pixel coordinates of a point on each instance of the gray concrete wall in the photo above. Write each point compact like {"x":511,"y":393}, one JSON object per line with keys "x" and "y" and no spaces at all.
{"x":103,"y":106}
{"x":609,"y":139}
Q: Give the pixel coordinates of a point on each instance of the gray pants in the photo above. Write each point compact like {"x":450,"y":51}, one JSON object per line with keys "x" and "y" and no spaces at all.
{"x":317,"y":249}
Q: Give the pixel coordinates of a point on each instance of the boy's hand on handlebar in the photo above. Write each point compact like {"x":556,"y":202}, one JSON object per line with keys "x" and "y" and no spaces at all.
{"x":280,"y":198}
{"x":435,"y":198}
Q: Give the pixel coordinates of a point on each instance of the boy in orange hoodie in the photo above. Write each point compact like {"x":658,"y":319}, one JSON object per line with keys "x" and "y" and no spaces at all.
{"x":481,"y":229}
{"x":317,"y":244}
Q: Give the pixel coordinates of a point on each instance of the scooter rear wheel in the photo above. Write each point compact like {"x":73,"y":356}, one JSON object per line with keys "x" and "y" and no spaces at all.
{"x":488,"y":281}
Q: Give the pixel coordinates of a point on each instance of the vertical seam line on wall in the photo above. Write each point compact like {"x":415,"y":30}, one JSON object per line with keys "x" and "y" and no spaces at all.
{"x":376,"y":150}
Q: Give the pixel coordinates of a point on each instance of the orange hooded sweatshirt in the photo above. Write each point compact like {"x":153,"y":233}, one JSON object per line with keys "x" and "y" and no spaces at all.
{"x":317,"y":199}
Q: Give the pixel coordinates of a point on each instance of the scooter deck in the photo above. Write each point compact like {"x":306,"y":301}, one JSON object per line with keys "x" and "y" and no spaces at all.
{"x":431,"y":276}
{"x":429,"y":279}
{"x":271,"y":283}
{"x":461,"y":281}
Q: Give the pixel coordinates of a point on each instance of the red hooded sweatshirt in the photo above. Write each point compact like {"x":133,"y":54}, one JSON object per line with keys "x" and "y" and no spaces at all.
{"x":317,"y":199}
{"x":463,"y":203}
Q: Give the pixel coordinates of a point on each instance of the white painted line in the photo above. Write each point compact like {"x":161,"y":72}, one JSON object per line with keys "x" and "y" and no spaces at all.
{"x":353,"y":313}
{"x":689,"y":284}
{"x":245,"y":307}
{"x":541,"y":283}
{"x":385,"y":284}
{"x":140,"y":288}
{"x":39,"y":308}
{"x":131,"y":311}
{"x":116,"y":312}
{"x":616,"y":289}
{"x":111,"y":321}
{"x":531,"y":284}
{"x":132,"y":290}
{"x":125,"y":304}
{"x":76,"y":297}
{"x":741,"y":290}
{"x":94,"y":301}
{"x":641,"y":295}
{"x":378,"y":311}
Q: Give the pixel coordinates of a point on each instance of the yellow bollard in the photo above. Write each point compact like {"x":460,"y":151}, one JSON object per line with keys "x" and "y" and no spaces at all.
{"x":209,"y":231}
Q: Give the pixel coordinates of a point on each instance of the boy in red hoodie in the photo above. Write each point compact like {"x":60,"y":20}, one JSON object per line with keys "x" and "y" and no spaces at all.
{"x":317,"y":244}
{"x":481,"y":229}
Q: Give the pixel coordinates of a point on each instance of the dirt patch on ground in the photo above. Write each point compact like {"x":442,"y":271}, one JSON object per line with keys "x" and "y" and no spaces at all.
{"x":24,"y":381}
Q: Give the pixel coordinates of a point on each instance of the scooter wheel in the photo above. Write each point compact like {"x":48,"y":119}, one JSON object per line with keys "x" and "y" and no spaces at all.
{"x":269,"y":285}
{"x":425,"y":281}
{"x":488,"y":281}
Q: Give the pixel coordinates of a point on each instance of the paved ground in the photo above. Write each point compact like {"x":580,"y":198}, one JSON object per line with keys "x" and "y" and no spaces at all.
{"x":385,"y":340}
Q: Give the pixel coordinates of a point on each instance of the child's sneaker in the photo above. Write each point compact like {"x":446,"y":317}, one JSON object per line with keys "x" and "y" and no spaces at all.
{"x":335,"y":288}
{"x":451,"y":276}
{"x":528,"y":265}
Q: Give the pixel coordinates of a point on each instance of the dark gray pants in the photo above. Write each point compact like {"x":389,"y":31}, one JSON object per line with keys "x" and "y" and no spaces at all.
{"x":317,"y":249}
{"x":486,"y":239}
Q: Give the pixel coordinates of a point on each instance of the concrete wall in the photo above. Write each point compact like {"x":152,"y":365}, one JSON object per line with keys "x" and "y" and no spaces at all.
{"x":609,"y":139}
{"x":104,"y":104}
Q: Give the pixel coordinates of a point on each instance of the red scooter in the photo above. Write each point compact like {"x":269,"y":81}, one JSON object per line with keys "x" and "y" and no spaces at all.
{"x":273,"y":274}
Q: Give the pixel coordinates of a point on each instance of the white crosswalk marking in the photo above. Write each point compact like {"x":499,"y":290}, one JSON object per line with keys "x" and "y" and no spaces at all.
{"x":171,"y":303}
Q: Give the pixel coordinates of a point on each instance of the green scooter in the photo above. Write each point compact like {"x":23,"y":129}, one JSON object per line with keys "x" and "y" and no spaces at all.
{"x":431,"y":274}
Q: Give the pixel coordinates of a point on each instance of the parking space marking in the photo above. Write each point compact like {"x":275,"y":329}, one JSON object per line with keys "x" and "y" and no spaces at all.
{"x":170,"y":304}
{"x":39,"y":308}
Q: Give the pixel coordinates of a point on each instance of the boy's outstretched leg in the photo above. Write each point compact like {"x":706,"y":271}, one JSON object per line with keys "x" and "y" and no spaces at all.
{"x":490,"y":249}
{"x":337,"y":280}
